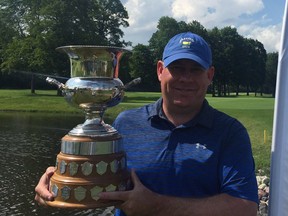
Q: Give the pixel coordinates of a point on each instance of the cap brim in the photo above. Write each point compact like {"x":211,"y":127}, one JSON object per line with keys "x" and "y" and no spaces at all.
{"x":189,"y":56}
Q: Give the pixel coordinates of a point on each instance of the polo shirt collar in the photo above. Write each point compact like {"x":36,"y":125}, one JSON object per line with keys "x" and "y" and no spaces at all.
{"x":155,"y":109}
{"x":204,"y":117}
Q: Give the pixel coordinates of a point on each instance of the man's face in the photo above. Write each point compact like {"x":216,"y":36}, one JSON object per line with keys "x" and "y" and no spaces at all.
{"x":184,"y":83}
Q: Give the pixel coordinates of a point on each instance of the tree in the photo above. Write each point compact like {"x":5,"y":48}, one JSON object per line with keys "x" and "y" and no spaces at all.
{"x":225,"y":47}
{"x":167,"y":27}
{"x":271,"y":73}
{"x":255,"y":65}
{"x":142,"y":64}
{"x":197,"y":28}
{"x":85,"y":22}
{"x":124,"y":69}
{"x":219,"y":59}
{"x":239,"y":62}
{"x":7,"y":26}
{"x":38,"y":27}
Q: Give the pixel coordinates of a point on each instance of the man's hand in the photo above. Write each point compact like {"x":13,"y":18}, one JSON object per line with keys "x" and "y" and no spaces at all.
{"x":42,"y":189}
{"x":138,"y":201}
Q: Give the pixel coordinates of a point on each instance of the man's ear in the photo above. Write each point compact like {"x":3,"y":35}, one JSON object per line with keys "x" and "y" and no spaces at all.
{"x":160,"y":69}
{"x":211,"y":72}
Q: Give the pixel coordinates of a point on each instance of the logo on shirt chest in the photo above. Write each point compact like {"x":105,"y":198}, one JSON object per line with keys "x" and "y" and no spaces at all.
{"x":200,"y":146}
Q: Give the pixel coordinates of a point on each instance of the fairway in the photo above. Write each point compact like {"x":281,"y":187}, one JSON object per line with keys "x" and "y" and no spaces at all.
{"x":255,"y":113}
{"x":242,"y":102}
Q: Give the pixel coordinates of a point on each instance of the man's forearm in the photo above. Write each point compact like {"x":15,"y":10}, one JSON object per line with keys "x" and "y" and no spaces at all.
{"x":222,"y":205}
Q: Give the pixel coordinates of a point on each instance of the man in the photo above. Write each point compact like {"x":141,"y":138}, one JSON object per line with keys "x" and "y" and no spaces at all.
{"x":189,"y":158}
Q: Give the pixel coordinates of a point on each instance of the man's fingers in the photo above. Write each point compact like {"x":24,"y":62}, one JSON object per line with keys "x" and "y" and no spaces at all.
{"x":42,"y":189}
{"x":135,"y":180}
{"x":117,"y":195}
{"x":121,"y":195}
{"x":50,"y":171}
{"x":44,"y":194}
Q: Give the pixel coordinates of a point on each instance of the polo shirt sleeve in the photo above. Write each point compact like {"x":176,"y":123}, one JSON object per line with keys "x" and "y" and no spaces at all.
{"x":236,"y":165}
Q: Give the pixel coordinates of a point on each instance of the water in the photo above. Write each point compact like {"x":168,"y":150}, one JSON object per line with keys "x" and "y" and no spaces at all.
{"x":29,"y":143}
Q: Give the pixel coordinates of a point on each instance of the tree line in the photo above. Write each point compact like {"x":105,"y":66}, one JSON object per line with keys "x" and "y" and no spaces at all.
{"x":31,"y":30}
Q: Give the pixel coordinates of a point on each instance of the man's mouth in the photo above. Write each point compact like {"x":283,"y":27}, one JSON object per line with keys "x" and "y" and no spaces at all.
{"x":184,"y":89}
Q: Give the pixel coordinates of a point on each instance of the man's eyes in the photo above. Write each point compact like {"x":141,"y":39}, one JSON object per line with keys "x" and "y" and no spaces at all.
{"x":180,"y":68}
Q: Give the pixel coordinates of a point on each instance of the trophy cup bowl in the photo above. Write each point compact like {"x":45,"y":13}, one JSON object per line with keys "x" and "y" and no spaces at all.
{"x":91,"y":159}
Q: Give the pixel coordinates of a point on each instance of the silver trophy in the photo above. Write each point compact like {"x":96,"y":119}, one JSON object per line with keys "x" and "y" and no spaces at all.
{"x":92,"y":159}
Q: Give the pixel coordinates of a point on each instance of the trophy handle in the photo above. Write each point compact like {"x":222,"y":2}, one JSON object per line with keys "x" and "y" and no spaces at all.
{"x":132,"y":83}
{"x":55,"y":82}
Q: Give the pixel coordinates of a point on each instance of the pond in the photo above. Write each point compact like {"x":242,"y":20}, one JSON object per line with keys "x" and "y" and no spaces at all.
{"x":29,"y":143}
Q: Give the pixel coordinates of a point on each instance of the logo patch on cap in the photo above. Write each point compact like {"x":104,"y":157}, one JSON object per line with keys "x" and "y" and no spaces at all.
{"x":186,"y":42}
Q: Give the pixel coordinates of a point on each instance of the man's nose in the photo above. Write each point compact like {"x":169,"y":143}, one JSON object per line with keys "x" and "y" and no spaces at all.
{"x":186,"y":74}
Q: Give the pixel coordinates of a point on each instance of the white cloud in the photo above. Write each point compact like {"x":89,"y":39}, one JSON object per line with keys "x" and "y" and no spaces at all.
{"x":145,"y":14}
{"x":143,"y":19}
{"x":215,"y":12}
{"x":269,"y":35}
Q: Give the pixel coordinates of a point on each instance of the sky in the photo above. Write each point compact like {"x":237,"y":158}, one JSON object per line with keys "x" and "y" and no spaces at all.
{"x":257,"y":19}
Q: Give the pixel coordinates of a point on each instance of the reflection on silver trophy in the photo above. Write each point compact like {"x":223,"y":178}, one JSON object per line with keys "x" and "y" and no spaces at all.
{"x":92,"y":159}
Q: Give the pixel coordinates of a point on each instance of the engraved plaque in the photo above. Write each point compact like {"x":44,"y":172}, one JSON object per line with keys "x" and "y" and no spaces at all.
{"x":95,"y":192}
{"x":110,"y":188}
{"x":114,"y":166}
{"x":73,"y":168}
{"x":63,"y":167}
{"x":80,"y":193}
{"x":54,"y":189}
{"x":56,"y":164}
{"x":101,"y":167}
{"x":87,"y":168}
{"x":65,"y":192}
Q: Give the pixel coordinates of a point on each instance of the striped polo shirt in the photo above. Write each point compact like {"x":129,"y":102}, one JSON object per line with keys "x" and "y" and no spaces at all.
{"x":208,"y":155}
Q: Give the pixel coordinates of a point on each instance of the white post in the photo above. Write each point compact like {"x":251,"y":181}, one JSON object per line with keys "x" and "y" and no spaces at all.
{"x":278,"y":200}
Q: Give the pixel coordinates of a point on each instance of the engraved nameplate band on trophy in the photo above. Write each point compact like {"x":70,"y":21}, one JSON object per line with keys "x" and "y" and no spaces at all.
{"x":91,"y":159}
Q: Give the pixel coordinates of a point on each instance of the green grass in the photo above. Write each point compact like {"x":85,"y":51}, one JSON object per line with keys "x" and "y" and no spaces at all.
{"x":42,"y":101}
{"x":256,"y":113}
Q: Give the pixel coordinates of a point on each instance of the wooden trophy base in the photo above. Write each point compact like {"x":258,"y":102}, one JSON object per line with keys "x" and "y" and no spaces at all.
{"x":79,"y":179}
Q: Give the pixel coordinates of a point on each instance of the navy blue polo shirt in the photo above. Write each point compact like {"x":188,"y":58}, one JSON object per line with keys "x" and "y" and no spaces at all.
{"x":208,"y":155}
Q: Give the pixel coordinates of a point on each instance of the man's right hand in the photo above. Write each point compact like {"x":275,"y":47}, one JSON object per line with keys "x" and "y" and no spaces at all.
{"x":42,"y":188}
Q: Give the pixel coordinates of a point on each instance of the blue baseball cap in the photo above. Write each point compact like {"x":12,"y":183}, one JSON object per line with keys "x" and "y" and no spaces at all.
{"x":188,"y":46}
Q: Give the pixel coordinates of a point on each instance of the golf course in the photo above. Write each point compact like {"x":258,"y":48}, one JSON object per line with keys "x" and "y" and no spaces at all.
{"x":255,"y":113}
